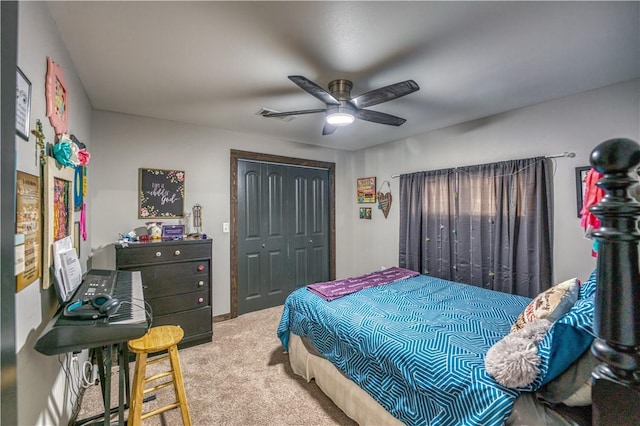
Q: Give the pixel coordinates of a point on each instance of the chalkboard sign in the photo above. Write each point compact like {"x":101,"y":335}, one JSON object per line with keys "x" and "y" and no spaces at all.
{"x":161,"y":193}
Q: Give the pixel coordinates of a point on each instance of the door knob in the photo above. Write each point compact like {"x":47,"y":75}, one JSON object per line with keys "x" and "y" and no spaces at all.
{"x":264,"y":245}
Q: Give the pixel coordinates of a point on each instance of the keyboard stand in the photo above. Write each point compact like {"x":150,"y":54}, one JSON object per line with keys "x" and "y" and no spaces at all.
{"x":104,"y":356}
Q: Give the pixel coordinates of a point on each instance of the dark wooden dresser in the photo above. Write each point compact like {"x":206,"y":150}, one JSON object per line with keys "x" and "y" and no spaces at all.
{"x":176,"y":279}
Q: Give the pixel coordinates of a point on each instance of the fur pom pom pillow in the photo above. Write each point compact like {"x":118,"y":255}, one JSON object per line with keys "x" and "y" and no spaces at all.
{"x":550,"y":304}
{"x":514,"y":361}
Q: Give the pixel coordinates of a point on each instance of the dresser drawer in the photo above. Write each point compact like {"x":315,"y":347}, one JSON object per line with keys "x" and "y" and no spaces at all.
{"x":184,"y":302}
{"x":171,"y":279}
{"x":197,"y":321}
{"x":160,"y":253}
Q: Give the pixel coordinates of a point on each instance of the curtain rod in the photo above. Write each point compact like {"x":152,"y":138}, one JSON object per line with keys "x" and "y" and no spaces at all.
{"x":568,"y":154}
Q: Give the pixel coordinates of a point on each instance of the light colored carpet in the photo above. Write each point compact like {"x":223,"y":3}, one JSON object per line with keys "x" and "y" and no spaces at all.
{"x":241,"y":378}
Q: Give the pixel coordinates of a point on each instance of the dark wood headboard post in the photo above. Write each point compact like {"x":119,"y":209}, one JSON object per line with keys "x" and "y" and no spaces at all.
{"x":616,"y":389}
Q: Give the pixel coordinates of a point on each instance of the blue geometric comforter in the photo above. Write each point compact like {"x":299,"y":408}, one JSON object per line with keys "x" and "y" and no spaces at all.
{"x":416,"y":346}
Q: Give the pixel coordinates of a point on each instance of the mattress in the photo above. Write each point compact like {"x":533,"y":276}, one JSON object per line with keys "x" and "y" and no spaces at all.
{"x":416,"y":346}
{"x":360,"y":406}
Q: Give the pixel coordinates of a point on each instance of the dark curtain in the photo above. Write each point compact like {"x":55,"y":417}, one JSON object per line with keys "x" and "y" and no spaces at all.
{"x":488,"y":225}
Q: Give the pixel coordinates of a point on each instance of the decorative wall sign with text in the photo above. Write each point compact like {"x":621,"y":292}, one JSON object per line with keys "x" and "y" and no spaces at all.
{"x":384,"y":199}
{"x":161,"y":193}
{"x":28,"y":216}
{"x":366,"y":190}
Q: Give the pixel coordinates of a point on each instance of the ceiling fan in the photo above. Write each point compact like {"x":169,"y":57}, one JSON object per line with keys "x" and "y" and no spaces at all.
{"x":342,"y":109}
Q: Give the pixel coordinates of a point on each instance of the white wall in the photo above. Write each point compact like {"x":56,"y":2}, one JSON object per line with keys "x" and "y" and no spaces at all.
{"x":43,"y":395}
{"x":576,"y":123}
{"x":123,"y":143}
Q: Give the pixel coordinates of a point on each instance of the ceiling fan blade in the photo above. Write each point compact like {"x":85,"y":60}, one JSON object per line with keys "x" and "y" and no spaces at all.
{"x":328,"y":129}
{"x":385,"y":94}
{"x":287,"y":113}
{"x":379,"y":117}
{"x":314,"y":90}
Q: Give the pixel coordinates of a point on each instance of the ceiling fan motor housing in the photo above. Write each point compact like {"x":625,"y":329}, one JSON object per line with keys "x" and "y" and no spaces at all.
{"x":341,"y":89}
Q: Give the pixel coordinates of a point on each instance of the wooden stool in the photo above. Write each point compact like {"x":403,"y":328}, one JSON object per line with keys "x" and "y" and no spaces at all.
{"x":157,"y":339}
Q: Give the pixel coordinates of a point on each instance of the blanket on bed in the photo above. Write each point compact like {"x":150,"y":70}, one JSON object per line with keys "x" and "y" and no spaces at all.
{"x":417,"y":346}
{"x":332,"y":290}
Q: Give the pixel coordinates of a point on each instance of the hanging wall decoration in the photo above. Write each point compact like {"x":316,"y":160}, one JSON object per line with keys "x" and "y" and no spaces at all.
{"x":161,"y":193}
{"x":39,"y":134}
{"x":366,"y":190}
{"x":384,"y":199}
{"x":28,"y":215}
{"x":23,"y":105}
{"x":57,"y":98}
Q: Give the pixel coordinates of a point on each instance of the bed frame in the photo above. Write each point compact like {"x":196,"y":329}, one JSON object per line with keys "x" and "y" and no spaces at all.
{"x":616,"y":389}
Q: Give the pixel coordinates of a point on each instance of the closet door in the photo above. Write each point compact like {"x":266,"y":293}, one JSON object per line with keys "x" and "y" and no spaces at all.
{"x":283,"y":232}
{"x":262,"y":241}
{"x":309,"y":232}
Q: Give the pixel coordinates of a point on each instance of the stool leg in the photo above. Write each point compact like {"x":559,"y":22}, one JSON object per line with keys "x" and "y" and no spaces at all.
{"x":137,"y":393}
{"x":178,"y":385}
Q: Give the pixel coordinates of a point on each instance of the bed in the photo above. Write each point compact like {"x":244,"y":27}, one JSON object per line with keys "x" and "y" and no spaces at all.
{"x":422,"y":351}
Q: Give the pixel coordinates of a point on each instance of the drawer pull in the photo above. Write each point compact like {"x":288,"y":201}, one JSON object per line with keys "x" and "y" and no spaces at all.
{"x":200,"y":283}
{"x":177,"y":253}
{"x":200,"y":299}
{"x":200,"y":267}
{"x":158,"y":254}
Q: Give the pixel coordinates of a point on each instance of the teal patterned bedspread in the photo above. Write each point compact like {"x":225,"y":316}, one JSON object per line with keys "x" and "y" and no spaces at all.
{"x":416,"y":346}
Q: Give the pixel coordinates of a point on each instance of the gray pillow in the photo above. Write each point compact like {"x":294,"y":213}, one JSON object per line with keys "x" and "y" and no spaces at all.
{"x":572,"y":387}
{"x":513,"y":361}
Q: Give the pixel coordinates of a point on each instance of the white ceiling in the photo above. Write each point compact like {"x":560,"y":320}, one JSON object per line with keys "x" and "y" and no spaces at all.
{"x":217,"y":63}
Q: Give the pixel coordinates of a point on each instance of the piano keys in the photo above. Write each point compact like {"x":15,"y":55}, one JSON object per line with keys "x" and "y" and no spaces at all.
{"x":62,"y":334}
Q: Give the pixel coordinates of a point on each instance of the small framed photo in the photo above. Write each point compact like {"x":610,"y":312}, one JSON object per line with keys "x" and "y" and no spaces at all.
{"x":581,"y":185}
{"x":365,"y":212}
{"x":23,"y":104}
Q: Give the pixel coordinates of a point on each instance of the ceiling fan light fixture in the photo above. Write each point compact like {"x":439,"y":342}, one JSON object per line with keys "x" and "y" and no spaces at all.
{"x":340,"y":118}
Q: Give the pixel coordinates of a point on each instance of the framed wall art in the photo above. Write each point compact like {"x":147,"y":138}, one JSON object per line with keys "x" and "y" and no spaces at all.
{"x":581,"y":185}
{"x":58,"y":211}
{"x":160,"y":193}
{"x":28,"y":215}
{"x":365,"y":212}
{"x":366,"y":190}
{"x":57,"y":98}
{"x":23,"y":104}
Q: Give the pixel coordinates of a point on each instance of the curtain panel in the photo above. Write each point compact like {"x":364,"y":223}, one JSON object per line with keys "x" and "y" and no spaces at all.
{"x":487,"y":225}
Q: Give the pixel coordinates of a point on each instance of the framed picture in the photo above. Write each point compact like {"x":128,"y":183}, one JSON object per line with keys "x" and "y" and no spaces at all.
{"x":23,"y":104}
{"x":581,"y":185}
{"x":161,"y":193}
{"x":365,"y":212}
{"x":28,"y":215}
{"x":57,"y":98}
{"x":366,"y":190}
{"x":58,"y":211}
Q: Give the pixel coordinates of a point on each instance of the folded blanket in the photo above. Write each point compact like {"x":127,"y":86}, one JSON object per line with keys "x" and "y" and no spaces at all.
{"x":332,"y":290}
